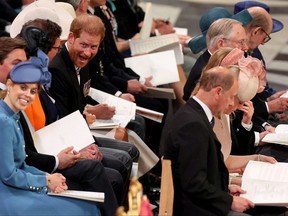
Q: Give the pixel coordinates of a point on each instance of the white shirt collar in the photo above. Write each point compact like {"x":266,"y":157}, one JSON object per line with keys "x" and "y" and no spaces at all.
{"x":66,"y":45}
{"x":205,"y":108}
{"x":91,"y":10}
{"x":76,"y":68}
{"x":2,"y":86}
{"x":209,"y":52}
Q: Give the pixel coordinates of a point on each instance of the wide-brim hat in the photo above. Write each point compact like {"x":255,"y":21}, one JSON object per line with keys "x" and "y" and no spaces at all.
{"x":277,"y":25}
{"x":68,"y":7}
{"x":43,"y":9}
{"x":198,"y":43}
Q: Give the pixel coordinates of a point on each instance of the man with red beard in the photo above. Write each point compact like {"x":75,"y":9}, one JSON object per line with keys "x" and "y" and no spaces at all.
{"x":71,"y":82}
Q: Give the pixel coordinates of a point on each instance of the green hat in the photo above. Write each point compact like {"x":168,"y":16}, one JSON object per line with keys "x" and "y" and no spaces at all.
{"x":198,"y":43}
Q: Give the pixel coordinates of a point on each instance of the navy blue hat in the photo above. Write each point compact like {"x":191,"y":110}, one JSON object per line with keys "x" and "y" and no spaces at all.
{"x":33,"y":71}
{"x":277,"y":25}
{"x":198,"y":43}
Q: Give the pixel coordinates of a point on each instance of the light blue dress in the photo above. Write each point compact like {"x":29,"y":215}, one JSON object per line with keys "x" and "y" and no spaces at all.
{"x":22,"y":187}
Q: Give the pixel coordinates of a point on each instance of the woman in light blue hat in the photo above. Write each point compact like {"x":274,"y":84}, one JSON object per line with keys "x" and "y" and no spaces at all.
{"x":23,"y":189}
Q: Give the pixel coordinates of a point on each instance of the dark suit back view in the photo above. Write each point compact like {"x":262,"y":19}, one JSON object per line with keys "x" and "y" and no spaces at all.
{"x":200,"y":185}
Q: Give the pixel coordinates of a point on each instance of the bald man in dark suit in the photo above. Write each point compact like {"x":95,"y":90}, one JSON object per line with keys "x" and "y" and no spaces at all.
{"x":199,"y":174}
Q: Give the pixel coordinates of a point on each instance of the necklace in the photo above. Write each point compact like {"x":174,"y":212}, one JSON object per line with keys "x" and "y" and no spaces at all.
{"x":220,"y":120}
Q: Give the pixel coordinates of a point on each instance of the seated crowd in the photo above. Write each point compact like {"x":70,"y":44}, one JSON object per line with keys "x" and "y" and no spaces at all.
{"x":224,"y":108}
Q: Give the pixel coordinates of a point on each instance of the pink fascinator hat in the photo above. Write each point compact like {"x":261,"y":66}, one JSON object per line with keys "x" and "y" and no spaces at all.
{"x":252,"y":76}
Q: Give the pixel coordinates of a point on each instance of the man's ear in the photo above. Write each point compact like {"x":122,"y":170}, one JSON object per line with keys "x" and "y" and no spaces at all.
{"x":71,"y":37}
{"x":219,"y":43}
{"x":81,"y":6}
{"x":218,"y":91}
{"x":256,"y":30}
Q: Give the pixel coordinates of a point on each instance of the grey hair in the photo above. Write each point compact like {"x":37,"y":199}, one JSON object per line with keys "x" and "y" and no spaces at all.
{"x":221,"y":28}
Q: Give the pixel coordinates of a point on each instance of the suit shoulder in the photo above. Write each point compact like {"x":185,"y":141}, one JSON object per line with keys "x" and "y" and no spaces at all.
{"x":188,"y":115}
{"x":57,"y":62}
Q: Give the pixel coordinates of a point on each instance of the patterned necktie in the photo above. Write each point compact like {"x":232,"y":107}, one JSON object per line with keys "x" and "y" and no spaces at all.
{"x":78,"y":73}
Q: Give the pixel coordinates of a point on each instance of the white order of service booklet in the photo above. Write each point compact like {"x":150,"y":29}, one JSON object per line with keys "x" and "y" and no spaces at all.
{"x":266,"y":183}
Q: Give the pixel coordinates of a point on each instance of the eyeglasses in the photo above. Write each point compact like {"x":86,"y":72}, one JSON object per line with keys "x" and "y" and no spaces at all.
{"x":267,"y":37}
{"x":242,"y":42}
{"x":58,"y":49}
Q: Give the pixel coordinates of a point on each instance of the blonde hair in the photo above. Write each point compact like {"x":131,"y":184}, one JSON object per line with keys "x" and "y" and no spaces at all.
{"x":217,"y":57}
{"x":215,"y":60}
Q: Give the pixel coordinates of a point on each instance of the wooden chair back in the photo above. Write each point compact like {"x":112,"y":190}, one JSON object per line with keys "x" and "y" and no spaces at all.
{"x":167,"y":189}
